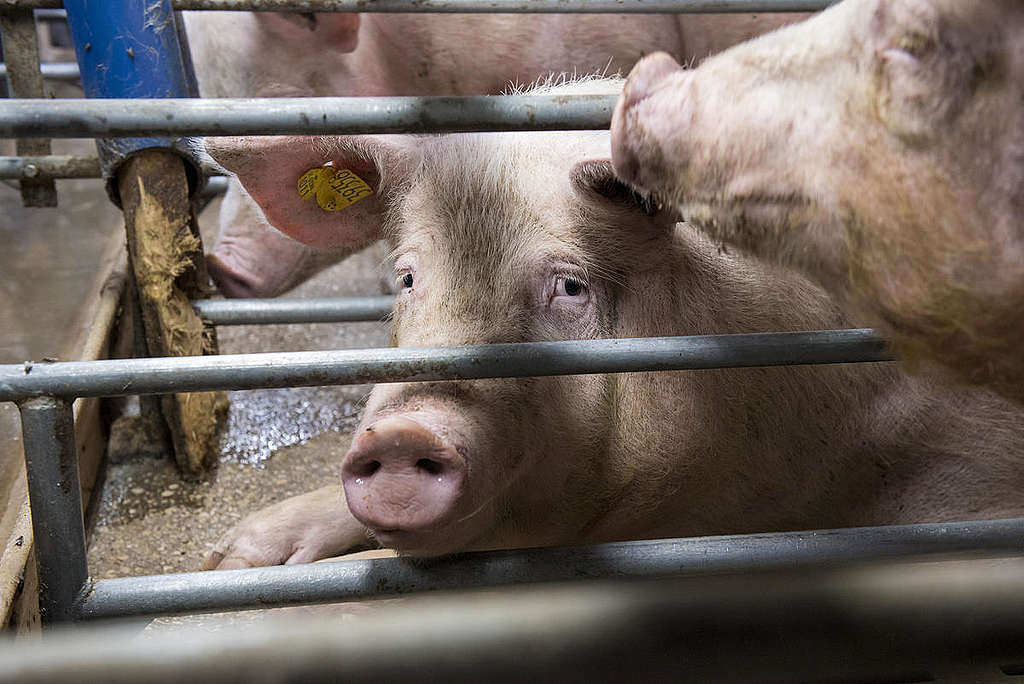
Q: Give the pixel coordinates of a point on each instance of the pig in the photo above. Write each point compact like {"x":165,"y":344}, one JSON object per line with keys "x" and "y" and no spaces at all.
{"x":266,"y":54}
{"x":518,"y":237}
{"x":879,"y":149}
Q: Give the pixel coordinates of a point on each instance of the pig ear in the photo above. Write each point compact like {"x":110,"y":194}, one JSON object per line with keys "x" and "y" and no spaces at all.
{"x":596,"y":179}
{"x":300,"y":197}
{"x":334,"y":31}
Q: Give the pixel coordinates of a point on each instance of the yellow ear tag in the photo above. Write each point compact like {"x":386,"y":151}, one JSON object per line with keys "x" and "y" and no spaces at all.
{"x":334,"y":189}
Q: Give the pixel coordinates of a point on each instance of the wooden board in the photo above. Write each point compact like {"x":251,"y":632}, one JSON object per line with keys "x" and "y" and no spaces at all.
{"x":89,"y":340}
{"x":163,"y":254}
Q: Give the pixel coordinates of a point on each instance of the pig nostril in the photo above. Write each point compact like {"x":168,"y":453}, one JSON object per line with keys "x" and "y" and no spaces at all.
{"x":366,"y":469}
{"x":430,"y":466}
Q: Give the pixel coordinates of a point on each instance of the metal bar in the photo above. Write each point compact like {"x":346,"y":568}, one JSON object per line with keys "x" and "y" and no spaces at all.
{"x":50,"y":166}
{"x":359,"y":579}
{"x":21,"y":51}
{"x":418,"y":364}
{"x":69,"y":166}
{"x":481,"y":6}
{"x":303,"y":116}
{"x":52,"y":14}
{"x":58,"y":71}
{"x":51,"y":464}
{"x":891,"y":622}
{"x":270,"y":311}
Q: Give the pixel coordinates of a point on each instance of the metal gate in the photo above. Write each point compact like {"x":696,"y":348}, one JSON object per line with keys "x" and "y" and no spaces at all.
{"x":44,"y":393}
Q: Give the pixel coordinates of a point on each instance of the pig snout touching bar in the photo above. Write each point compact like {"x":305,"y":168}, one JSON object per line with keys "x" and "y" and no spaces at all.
{"x":267,"y":54}
{"x":516,"y":237}
{"x":877,"y":147}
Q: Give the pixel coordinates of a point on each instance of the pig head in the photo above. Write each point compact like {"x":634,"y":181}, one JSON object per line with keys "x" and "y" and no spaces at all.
{"x":489,"y":247}
{"x":878,"y":147}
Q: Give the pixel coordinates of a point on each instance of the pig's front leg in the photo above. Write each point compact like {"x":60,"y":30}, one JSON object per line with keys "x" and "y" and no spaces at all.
{"x":301,"y":529}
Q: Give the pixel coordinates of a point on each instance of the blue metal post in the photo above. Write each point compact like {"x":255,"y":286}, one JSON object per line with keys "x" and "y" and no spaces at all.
{"x":129,"y":48}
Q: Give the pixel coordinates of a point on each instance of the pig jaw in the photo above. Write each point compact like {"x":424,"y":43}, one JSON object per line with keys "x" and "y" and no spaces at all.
{"x":239,"y":268}
{"x":666,"y":142}
{"x":736,"y":145}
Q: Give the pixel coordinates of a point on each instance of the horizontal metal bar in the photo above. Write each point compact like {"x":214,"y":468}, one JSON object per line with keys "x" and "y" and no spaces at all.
{"x":481,"y":6}
{"x":50,"y":166}
{"x":269,"y":311}
{"x":359,"y":579}
{"x":418,"y":364}
{"x":882,"y":622}
{"x":302,"y":116}
{"x":58,"y":71}
{"x":69,"y":166}
{"x":52,"y":14}
{"x":217,"y":185}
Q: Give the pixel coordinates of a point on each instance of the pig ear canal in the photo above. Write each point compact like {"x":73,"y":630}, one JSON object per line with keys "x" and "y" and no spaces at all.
{"x":597,"y":178}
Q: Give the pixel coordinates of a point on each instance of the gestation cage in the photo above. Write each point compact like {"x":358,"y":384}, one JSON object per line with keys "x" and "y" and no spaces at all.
{"x":770,"y":606}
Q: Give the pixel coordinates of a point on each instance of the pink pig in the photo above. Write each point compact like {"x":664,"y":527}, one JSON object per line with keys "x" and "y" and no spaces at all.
{"x":879,"y":148}
{"x":530,"y":237}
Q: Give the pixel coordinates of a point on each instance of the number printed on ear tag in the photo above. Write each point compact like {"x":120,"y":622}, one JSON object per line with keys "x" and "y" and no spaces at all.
{"x":334,"y":189}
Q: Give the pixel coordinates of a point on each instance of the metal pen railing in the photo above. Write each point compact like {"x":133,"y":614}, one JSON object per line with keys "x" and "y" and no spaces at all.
{"x":44,"y":391}
{"x":304,"y":116}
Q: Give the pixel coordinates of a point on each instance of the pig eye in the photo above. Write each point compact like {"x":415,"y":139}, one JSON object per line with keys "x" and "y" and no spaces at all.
{"x":407,"y":280}
{"x":569,"y":287}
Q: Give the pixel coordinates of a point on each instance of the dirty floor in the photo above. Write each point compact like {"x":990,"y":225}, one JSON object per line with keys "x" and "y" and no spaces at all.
{"x":276,"y":443}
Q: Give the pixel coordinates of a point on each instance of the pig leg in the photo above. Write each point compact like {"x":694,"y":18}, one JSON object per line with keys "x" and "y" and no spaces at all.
{"x":301,"y":529}
{"x":252,"y":259}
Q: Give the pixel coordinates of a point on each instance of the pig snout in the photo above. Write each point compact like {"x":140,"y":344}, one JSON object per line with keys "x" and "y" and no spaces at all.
{"x":644,"y":80}
{"x":229,"y":280}
{"x":400,"y":478}
{"x":241,"y":265}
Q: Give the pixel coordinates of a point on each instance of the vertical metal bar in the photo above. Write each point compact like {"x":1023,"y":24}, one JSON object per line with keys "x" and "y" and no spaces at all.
{"x":48,"y":432}
{"x":21,"y":53}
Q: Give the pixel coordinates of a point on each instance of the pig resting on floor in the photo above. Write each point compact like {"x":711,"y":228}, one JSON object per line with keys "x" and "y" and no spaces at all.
{"x":530,"y":237}
{"x":879,"y":148}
